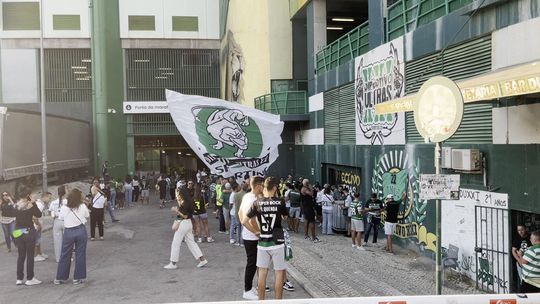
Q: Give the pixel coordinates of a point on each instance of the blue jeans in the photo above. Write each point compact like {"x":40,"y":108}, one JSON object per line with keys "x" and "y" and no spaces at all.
{"x":375,"y":225}
{"x":235,"y":223}
{"x":8,"y":229}
{"x":111,"y":213}
{"x":77,"y":237}
{"x":327,"y":222}
{"x":113,"y":199}
{"x":129,"y":197}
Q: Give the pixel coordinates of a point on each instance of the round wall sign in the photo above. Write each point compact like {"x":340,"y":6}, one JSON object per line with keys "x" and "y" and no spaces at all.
{"x":438,"y":109}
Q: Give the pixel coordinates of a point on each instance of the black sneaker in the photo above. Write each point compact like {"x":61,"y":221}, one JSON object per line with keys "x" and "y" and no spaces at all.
{"x":316,"y":240}
{"x":288,"y":286}
{"x":267,"y":289}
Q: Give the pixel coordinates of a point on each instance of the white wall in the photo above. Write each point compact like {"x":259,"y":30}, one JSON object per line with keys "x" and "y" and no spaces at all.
{"x":515,"y":44}
{"x":50,"y":8}
{"x":516,"y":125}
{"x":19,"y":75}
{"x":309,"y":137}
{"x":163,"y":10}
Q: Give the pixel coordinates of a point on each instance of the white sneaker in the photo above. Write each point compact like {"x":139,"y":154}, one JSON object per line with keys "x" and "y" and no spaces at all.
{"x":231,"y":241}
{"x":354,"y":246}
{"x":44,"y":256}
{"x":361,"y":248}
{"x":33,"y":281}
{"x":202,"y":263}
{"x":199,"y":240}
{"x":39,"y":258}
{"x":19,"y":282}
{"x":209,"y":239}
{"x":170,"y":266}
{"x":250,"y":295}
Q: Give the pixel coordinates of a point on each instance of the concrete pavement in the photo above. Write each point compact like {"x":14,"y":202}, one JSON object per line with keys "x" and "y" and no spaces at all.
{"x":127,"y":267}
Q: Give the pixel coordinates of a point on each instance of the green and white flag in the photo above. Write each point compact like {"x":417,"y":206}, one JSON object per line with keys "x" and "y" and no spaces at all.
{"x":231,"y":139}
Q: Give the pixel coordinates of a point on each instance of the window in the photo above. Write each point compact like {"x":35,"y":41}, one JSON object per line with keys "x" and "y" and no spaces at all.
{"x":66,"y":22}
{"x":142,"y":23}
{"x":20,"y":16}
{"x":185,"y":24}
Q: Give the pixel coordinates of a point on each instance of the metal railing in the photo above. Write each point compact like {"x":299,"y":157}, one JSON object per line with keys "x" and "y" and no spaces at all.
{"x":346,"y":48}
{"x":406,"y":15}
{"x":283,"y":103}
{"x":403,"y":16}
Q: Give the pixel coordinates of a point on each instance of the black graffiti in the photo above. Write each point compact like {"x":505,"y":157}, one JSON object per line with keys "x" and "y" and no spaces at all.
{"x":466,"y":263}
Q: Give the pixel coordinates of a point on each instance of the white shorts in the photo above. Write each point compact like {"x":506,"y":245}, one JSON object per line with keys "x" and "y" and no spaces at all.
{"x":357,"y":225}
{"x":276,"y":256}
{"x":389,"y":228}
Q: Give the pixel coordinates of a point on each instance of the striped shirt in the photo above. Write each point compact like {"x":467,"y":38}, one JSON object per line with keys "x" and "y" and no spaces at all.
{"x":532,"y":268}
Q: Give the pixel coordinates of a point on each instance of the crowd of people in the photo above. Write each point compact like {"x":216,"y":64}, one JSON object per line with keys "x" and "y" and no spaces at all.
{"x":257,"y":215}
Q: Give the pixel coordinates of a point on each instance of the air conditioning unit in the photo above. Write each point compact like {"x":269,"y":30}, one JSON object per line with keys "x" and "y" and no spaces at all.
{"x":446,"y":158}
{"x":466,"y":159}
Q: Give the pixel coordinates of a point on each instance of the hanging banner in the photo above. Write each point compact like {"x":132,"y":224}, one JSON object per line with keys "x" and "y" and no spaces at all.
{"x":231,"y":139}
{"x":379,"y":77}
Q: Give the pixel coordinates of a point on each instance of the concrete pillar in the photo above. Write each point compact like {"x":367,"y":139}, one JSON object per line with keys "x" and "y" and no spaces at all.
{"x":316,"y":35}
{"x":109,"y":123}
{"x":376,"y":11}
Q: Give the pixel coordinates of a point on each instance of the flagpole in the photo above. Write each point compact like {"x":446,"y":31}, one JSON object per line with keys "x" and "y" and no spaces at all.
{"x":42,"y":99}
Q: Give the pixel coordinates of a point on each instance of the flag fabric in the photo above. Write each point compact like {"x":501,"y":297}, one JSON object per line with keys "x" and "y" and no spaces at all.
{"x":231,"y":139}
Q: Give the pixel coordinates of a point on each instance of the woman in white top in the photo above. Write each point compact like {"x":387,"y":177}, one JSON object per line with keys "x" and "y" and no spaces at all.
{"x":74,"y":215}
{"x":327,"y":201}
{"x":58,"y":224}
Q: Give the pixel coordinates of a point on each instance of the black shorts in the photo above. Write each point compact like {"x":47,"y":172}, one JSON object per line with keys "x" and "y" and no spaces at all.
{"x":318,"y":209}
{"x":162,"y":195}
{"x":309,"y":215}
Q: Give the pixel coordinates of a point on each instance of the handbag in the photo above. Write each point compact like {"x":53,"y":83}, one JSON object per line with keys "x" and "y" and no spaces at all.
{"x":17,"y":233}
{"x":176,"y":225}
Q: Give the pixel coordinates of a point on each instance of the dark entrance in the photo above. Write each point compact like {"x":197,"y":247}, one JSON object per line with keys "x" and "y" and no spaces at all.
{"x":165,"y":154}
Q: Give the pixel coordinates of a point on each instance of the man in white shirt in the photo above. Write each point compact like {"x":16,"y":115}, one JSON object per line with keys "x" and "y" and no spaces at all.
{"x":250,"y":239}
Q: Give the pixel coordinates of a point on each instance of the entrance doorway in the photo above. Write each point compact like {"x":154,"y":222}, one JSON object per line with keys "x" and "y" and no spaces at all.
{"x":165,"y":154}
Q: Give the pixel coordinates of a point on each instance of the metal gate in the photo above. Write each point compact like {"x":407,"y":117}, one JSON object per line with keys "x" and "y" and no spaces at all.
{"x":492,"y":250}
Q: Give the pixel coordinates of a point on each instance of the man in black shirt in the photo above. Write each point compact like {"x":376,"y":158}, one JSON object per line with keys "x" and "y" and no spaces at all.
{"x":270,"y":247}
{"x":519,"y":246}
{"x":392,"y":211}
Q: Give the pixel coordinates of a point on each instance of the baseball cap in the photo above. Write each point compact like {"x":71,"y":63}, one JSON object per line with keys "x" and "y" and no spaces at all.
{"x":389,"y":196}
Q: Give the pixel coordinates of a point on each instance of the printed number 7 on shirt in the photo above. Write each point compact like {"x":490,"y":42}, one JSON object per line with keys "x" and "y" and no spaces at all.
{"x":265,"y":225}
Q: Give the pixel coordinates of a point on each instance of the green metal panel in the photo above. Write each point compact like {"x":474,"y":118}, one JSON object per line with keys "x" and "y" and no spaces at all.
{"x":223,"y":14}
{"x":406,"y":15}
{"x":66,"y":22}
{"x":185,"y":23}
{"x":151,"y":124}
{"x":142,"y":23}
{"x":339,"y":119}
{"x":188,"y":71}
{"x":459,"y":62}
{"x":331,"y":116}
{"x":20,"y":16}
{"x":346,"y":48}
{"x":68,"y":75}
{"x":281,"y":103}
{"x":347,"y":127}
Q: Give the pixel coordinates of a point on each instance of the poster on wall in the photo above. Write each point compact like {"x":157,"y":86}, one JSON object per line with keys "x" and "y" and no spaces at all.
{"x":379,"y":77}
{"x":231,"y":139}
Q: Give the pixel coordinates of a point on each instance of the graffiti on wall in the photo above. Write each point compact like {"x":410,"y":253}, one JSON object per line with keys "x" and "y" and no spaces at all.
{"x":235,"y":69}
{"x":395,"y":173}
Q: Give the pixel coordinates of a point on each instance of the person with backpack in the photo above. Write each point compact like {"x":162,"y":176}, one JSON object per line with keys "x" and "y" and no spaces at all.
{"x":295,"y":199}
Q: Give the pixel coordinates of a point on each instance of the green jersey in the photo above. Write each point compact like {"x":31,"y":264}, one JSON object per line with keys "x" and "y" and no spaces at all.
{"x":356,"y":210}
